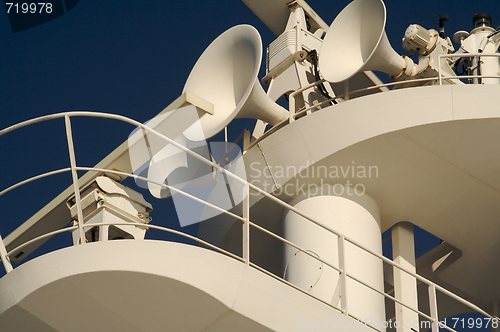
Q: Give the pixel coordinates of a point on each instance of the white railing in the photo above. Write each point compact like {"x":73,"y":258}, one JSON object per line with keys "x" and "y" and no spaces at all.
{"x":245,"y":219}
{"x":465,"y":55}
{"x":293,"y":113}
{"x":346,"y":95}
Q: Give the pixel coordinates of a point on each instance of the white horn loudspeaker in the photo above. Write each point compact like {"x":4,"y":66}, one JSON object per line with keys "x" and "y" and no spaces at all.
{"x":356,"y":41}
{"x":226,"y":75}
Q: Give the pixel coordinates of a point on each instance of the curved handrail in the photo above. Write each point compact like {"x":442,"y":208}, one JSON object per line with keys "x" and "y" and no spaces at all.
{"x":438,"y":78}
{"x":41,"y":237}
{"x":36,"y":177}
{"x":165,"y":229}
{"x":137,"y":177}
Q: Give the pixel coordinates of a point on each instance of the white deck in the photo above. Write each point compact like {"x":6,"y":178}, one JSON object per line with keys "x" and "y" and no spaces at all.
{"x":149,"y":286}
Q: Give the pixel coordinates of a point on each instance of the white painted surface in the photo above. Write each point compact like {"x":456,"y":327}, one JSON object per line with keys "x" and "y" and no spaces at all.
{"x":444,"y":157}
{"x":354,"y":216}
{"x":356,"y":41}
{"x":137,"y":285}
{"x":226,"y":76}
{"x":405,"y":286}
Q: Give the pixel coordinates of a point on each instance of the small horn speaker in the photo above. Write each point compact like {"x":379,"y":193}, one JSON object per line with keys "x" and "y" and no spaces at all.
{"x":356,"y":41}
{"x":226,"y":75}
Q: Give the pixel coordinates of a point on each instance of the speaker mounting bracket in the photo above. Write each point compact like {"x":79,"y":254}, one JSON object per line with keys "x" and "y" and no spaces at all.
{"x":276,"y":71}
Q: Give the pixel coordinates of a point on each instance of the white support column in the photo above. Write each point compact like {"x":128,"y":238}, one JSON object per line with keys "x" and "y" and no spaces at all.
{"x":343,"y":276}
{"x":74,"y":174}
{"x":356,"y":217}
{"x":246,"y":226}
{"x":433,"y":308}
{"x":405,"y":286}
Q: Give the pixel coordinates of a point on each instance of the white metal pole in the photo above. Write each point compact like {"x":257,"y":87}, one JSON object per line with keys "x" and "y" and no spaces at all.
{"x":343,"y":275}
{"x":246,"y":226}
{"x":225,"y":138}
{"x":3,"y":255}
{"x":433,"y":307}
{"x":74,"y":174}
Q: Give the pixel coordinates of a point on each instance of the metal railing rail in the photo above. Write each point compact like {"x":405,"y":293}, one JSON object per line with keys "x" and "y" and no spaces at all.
{"x":340,"y":269}
{"x":439,"y":78}
{"x":41,"y":176}
{"x":90,"y":225}
{"x":465,"y":55}
{"x":245,"y":219}
{"x":85,"y":226}
{"x":346,"y":93}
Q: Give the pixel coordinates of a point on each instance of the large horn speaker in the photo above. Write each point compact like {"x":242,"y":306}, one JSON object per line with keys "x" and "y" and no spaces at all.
{"x":356,"y":41}
{"x":226,"y":75}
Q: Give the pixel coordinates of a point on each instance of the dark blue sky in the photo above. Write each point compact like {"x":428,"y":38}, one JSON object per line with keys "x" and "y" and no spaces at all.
{"x":130,"y":58}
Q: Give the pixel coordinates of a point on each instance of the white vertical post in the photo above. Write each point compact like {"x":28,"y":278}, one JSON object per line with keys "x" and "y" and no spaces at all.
{"x":74,"y":174}
{"x":225,"y":142}
{"x":475,"y":70}
{"x":433,"y":308}
{"x":343,"y":275}
{"x":246,"y":226}
{"x":3,"y":255}
{"x":405,"y":286}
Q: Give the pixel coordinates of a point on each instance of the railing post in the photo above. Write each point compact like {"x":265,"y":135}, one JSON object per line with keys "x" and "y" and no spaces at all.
{"x":246,"y":226}
{"x":343,"y":274}
{"x":3,"y":255}
{"x":74,"y":174}
{"x":433,"y":307}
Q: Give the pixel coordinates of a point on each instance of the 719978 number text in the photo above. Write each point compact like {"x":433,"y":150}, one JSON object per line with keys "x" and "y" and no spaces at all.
{"x":31,"y":8}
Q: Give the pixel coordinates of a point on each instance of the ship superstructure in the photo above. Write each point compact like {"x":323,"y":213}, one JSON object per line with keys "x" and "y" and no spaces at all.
{"x":291,"y":214}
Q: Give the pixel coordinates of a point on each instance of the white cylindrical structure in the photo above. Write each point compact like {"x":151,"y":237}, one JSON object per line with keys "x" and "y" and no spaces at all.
{"x":354,"y":215}
{"x":487,"y":65}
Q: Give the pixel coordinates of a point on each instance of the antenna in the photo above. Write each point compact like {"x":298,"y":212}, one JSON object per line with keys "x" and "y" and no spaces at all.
{"x":442,"y":20}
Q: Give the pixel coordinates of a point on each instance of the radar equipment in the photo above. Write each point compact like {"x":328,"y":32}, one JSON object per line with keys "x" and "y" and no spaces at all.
{"x":482,"y":39}
{"x":430,"y":46}
{"x":442,"y":20}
